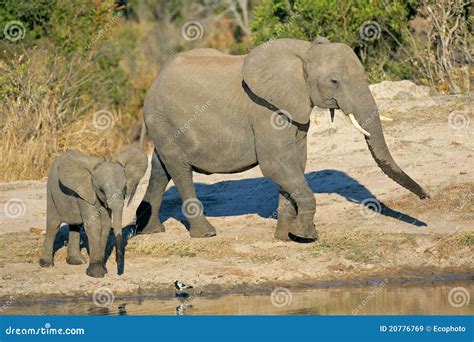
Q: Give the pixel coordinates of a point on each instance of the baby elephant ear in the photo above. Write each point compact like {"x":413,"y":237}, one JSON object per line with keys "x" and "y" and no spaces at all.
{"x":134,"y":162}
{"x":74,"y":172}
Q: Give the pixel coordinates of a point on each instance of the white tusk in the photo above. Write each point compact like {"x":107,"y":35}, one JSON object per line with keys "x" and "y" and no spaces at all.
{"x":356,"y":125}
{"x":385,"y":118}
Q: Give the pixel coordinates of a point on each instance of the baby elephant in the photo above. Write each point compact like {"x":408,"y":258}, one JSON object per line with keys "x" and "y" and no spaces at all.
{"x":90,"y":191}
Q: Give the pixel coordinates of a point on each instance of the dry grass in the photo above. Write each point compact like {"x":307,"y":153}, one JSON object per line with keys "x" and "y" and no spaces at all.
{"x":154,"y":246}
{"x":44,"y":113}
{"x":361,"y":246}
{"x":449,"y":244}
{"x":143,"y":247}
{"x":455,"y":199}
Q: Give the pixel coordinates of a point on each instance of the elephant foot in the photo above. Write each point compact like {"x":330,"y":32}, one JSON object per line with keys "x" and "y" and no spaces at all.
{"x":283,"y":227}
{"x":307,"y":233}
{"x":152,"y":228}
{"x":282,"y":234}
{"x":104,"y":268}
{"x":46,"y":263}
{"x":75,"y":259}
{"x":202,"y":230}
{"x":96,"y":270}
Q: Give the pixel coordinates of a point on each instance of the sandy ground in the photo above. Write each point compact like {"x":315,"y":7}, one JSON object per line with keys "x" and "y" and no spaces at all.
{"x":430,"y":137}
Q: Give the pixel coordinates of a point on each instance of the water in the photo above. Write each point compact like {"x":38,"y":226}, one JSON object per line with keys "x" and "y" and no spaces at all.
{"x":382,"y":299}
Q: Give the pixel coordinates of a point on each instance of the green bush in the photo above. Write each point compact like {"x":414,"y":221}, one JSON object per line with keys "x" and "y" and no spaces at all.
{"x":69,"y":25}
{"x":35,"y":15}
{"x":65,"y":66}
{"x":76,"y":29}
{"x":341,"y":21}
{"x":74,"y":24}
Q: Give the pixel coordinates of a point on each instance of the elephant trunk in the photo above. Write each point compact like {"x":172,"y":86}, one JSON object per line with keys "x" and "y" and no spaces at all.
{"x":379,"y":150}
{"x":117,"y":227}
{"x":368,"y":118}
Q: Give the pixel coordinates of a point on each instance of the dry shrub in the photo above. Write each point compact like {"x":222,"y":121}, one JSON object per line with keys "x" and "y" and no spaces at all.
{"x":45,"y":112}
{"x":440,"y":51}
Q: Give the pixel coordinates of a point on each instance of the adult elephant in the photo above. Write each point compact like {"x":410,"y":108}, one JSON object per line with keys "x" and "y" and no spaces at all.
{"x":210,"y":112}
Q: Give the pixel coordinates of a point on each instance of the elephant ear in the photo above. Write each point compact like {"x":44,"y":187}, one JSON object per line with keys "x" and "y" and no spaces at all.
{"x":134,"y":162}
{"x":75,"y":172}
{"x":275,"y":72}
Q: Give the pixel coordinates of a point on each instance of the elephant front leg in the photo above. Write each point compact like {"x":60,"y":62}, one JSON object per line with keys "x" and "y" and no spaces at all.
{"x":286,"y":217}
{"x":74,"y":256}
{"x":96,"y":253}
{"x":300,"y":193}
{"x":52,"y":227}
{"x":106,"y":224}
{"x":283,"y":164}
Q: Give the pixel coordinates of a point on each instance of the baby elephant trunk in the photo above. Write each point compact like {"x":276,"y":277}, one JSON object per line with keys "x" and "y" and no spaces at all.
{"x":119,"y":245}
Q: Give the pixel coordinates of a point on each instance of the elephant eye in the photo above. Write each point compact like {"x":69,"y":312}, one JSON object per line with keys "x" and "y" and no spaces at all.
{"x":334,"y":81}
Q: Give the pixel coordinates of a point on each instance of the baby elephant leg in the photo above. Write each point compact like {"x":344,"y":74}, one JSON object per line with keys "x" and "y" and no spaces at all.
{"x":96,"y":258}
{"x":74,"y":256}
{"x":104,"y":237}
{"x":52,"y":227}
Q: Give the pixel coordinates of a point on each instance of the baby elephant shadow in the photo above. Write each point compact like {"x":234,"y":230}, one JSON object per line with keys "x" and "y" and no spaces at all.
{"x":62,"y":239}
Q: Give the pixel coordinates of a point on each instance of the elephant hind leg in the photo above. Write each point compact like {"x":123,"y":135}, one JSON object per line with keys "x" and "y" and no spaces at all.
{"x":147,"y":213}
{"x":52,"y":227}
{"x":74,"y":256}
{"x":191,"y":207}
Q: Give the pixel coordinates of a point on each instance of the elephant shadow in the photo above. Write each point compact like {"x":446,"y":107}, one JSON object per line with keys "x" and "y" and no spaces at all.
{"x":250,"y":196}
{"x":260,"y":196}
{"x":62,"y":239}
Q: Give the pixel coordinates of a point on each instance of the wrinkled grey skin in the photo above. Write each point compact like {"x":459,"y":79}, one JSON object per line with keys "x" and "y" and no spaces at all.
{"x":212,"y":113}
{"x":90,"y":191}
